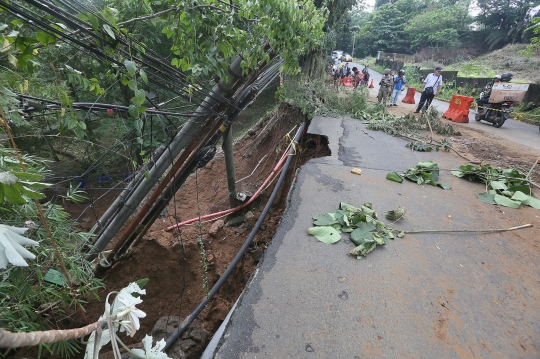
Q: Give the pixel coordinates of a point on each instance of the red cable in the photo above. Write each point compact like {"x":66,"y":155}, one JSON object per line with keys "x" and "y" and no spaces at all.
{"x":231,"y":210}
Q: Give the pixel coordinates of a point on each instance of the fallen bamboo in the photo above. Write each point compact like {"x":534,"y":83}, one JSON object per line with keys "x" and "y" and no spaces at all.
{"x":16,"y":340}
{"x":470,"y":230}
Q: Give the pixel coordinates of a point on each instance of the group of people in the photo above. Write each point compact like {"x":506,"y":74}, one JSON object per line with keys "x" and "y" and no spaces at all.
{"x":392,"y":85}
{"x":339,"y":71}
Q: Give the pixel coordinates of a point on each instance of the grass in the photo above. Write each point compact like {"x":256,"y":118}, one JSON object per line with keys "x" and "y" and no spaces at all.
{"x":527,"y":111}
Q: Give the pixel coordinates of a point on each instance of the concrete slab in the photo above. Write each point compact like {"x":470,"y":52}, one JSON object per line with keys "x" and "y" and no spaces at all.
{"x":424,"y":296}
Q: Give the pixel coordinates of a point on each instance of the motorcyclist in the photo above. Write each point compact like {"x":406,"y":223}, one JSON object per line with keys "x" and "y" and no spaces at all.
{"x":486,"y":93}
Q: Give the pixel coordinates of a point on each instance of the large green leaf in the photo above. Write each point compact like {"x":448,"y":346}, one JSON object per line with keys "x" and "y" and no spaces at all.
{"x":498,"y":185}
{"x":25,"y":176}
{"x":519,"y":196}
{"x":109,"y":31}
{"x":130,"y":67}
{"x":143,"y":76}
{"x":133,"y":111}
{"x":444,"y":186}
{"x":524,"y":189}
{"x":488,"y":198}
{"x":28,"y":193}
{"x":505,"y":201}
{"x":12,"y":195}
{"x":362,"y":233}
{"x":324,"y":219}
{"x":394,"y":176}
{"x":325,"y":234}
{"x":533,"y":202}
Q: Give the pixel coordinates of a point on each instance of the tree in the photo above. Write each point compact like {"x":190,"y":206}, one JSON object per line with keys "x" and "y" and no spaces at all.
{"x":438,"y":28}
{"x":505,"y":21}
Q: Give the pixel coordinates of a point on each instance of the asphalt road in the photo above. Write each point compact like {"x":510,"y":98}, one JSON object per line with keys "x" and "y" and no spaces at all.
{"x":520,"y":133}
{"x":430,"y":295}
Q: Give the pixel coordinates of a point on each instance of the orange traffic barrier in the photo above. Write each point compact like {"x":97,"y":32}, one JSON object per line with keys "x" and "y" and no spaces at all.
{"x":348,"y":81}
{"x":409,"y":97}
{"x":371,"y":85}
{"x":459,"y":108}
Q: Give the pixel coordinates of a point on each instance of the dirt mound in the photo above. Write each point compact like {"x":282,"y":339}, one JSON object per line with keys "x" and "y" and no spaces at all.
{"x":508,"y":59}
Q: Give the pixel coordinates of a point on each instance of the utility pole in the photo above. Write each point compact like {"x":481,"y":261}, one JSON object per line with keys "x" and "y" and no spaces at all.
{"x":354,"y":39}
{"x":229,"y":165}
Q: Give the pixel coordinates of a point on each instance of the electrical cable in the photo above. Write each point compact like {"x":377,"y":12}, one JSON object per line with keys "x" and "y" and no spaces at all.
{"x":191,"y":317}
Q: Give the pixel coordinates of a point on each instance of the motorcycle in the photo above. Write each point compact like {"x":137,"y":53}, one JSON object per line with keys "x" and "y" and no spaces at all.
{"x":495,"y":113}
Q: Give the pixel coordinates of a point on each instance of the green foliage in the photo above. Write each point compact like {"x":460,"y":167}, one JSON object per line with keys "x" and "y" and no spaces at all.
{"x":75,"y":195}
{"x":534,"y":44}
{"x":27,"y":301}
{"x":206,"y":37}
{"x":438,"y":28}
{"x":409,"y":125}
{"x":316,"y":98}
{"x":506,"y":187}
{"x":423,"y":173}
{"x":405,"y":26}
{"x":422,"y":146}
{"x":505,"y":21}
{"x":362,"y":223}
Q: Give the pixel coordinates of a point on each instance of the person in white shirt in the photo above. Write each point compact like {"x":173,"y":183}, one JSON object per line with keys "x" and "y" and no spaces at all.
{"x":431,"y":86}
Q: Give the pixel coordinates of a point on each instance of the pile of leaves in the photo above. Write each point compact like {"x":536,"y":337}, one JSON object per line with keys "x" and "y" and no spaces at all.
{"x":409,"y":125}
{"x":505,"y":187}
{"x":423,"y":173}
{"x":362,"y":223}
{"x":423,"y":146}
{"x":316,"y":99}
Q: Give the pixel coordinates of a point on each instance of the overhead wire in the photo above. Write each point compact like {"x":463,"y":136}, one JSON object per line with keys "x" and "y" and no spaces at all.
{"x":98,"y":53}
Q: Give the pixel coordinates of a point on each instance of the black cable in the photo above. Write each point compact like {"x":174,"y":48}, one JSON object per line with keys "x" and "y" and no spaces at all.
{"x":94,"y":51}
{"x":190,"y":318}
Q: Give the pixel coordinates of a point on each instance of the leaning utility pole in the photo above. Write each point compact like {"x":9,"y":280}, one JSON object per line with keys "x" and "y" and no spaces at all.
{"x":180,"y":141}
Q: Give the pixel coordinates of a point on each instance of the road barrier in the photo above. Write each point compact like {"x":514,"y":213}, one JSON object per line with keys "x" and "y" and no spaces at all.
{"x":348,"y":81}
{"x":409,"y":97}
{"x":459,"y":108}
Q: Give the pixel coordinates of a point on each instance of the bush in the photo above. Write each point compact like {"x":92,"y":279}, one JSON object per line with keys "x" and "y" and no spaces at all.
{"x":29,"y":301}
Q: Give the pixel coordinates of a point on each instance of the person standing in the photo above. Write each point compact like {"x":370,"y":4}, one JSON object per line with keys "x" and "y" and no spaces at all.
{"x":399,"y":81}
{"x":358,"y":77}
{"x":431,"y":86}
{"x":386,"y":84}
{"x":347,"y":70}
{"x":365,"y":78}
{"x":341,"y":73}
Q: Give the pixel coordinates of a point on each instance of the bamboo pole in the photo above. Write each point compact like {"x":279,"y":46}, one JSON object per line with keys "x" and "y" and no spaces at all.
{"x":16,"y":340}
